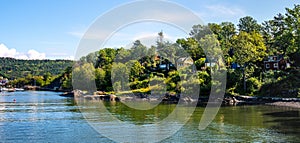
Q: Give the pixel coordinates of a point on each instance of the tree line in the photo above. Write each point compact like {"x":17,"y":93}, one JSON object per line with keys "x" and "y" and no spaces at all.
{"x":32,"y":72}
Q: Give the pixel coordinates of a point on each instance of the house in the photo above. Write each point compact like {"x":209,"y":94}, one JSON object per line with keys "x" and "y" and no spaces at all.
{"x":235,"y":66}
{"x":3,"y":81}
{"x":184,"y":62}
{"x":209,"y":63}
{"x":276,"y":63}
{"x":163,"y":65}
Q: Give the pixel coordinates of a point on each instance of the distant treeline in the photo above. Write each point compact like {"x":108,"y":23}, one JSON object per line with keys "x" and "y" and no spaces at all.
{"x":16,"y":68}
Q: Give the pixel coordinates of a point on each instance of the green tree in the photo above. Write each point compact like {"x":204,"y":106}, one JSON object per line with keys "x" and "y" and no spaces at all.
{"x":67,"y":82}
{"x":119,"y":76}
{"x":84,"y":77}
{"x":277,"y":35}
{"x":101,"y":82}
{"x":248,"y":24}
{"x":200,"y":31}
{"x":212,"y":49}
{"x":248,"y":48}
{"x":138,"y":50}
{"x":191,"y":46}
{"x":293,"y":24}
{"x":136,"y":71}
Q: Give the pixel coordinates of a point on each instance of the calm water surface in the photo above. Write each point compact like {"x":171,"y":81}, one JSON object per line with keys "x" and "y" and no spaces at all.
{"x":47,"y":117}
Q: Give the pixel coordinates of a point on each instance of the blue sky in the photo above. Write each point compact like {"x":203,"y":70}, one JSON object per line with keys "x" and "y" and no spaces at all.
{"x":52,"y":29}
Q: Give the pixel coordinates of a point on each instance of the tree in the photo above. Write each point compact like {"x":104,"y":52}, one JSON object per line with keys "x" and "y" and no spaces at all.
{"x":105,"y":57}
{"x":248,"y":48}
{"x":123,"y":55}
{"x":166,"y":49}
{"x":138,"y":50}
{"x":119,"y":76}
{"x":293,"y":24}
{"x":47,"y":78}
{"x":84,"y":77}
{"x":200,"y":31}
{"x":276,"y":35}
{"x":191,"y":46}
{"x":136,"y":70}
{"x":248,"y":24}
{"x":67,"y":82}
{"x":216,"y":29}
{"x":211,"y":47}
{"x":101,"y":82}
{"x":224,"y":33}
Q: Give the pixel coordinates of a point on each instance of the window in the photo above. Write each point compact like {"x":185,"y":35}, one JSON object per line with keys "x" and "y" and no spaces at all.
{"x":267,"y":65}
{"x":275,"y":65}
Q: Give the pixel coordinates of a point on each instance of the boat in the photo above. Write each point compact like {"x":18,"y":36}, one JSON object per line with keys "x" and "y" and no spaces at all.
{"x":4,"y":89}
{"x":19,"y":89}
{"x":11,"y":90}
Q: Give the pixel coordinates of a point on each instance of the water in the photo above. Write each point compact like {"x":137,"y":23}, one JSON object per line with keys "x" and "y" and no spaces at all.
{"x":47,"y":117}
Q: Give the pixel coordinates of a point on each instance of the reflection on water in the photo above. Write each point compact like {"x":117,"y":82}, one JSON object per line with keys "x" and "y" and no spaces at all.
{"x":139,"y":117}
{"x":286,"y":122}
{"x":47,"y":117}
{"x":243,"y":123}
{"x":42,"y":117}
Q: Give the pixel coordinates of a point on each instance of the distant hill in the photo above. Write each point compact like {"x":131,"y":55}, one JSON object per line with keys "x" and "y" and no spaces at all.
{"x":15,"y":68}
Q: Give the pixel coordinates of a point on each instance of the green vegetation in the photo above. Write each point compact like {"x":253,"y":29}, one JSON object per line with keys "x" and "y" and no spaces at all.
{"x":141,"y":68}
{"x":247,"y":46}
{"x":36,"y":72}
{"x":15,"y":68}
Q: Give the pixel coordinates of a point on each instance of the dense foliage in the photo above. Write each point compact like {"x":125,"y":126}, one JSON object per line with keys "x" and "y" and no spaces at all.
{"x":245,"y":46}
{"x":15,"y":68}
{"x":46,"y":73}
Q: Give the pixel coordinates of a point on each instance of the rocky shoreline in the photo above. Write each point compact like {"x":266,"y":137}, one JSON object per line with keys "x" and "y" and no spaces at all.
{"x":292,"y":104}
{"x":170,"y":98}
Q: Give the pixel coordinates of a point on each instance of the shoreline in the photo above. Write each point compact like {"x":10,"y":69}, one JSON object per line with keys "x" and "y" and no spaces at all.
{"x":291,"y":104}
{"x":201,"y":101}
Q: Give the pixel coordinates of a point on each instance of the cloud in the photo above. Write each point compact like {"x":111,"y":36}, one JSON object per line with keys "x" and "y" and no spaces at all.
{"x":5,"y":52}
{"x":219,"y":13}
{"x":227,"y":11}
{"x":12,"y":53}
{"x":93,"y":35}
{"x":32,"y":54}
{"x":69,"y":58}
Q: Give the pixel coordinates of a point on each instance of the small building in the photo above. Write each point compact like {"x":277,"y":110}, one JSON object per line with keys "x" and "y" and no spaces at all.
{"x":184,"y":62}
{"x":3,"y":81}
{"x":276,"y":63}
{"x":235,"y":66}
{"x":209,"y":63}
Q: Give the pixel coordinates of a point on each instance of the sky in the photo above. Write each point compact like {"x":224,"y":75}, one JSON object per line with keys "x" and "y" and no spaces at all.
{"x":53,"y":29}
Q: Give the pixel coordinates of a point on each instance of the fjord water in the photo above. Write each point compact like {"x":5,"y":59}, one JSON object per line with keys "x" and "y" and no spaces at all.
{"x":38,"y":116}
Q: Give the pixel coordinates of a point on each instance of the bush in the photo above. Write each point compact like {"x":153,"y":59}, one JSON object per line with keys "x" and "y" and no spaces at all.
{"x":253,"y":86}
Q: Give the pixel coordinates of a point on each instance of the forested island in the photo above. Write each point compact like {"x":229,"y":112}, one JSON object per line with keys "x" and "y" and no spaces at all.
{"x":260,"y":60}
{"x":42,"y":73}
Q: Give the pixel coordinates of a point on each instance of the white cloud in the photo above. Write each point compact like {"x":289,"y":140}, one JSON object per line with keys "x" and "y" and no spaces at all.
{"x":5,"y":52}
{"x":227,"y":11}
{"x":12,"y":53}
{"x":33,"y":54}
{"x":93,"y":35}
{"x":69,"y":58}
{"x":221,"y":13}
